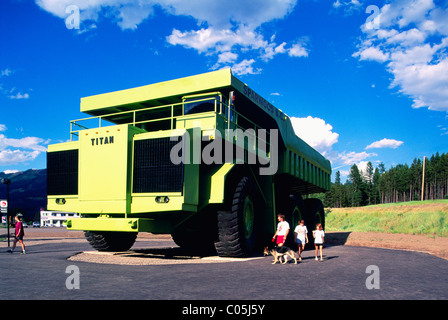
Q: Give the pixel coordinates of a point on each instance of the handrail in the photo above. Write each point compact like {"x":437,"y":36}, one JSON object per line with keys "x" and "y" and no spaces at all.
{"x":207,"y":97}
{"x":134,"y":116}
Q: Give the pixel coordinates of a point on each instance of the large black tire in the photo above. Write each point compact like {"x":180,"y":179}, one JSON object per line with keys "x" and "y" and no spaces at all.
{"x":237,"y":227}
{"x":314,"y":214}
{"x":194,"y":242}
{"x":294,"y":211}
{"x":110,"y":241}
{"x":198,"y":234}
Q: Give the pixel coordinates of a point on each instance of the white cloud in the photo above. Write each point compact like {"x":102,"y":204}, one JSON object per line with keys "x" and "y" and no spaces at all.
{"x":298,"y":50}
{"x":245,"y":67}
{"x":350,"y":158}
{"x":19,"y":96}
{"x":371,"y":53}
{"x":348,"y":6}
{"x":226,"y":42}
{"x":13,"y":151}
{"x":32,"y":143}
{"x":226,"y":29}
{"x":10,"y":171}
{"x":385,"y":143}
{"x":412,"y":41}
{"x":8,"y":157}
{"x":319,"y":134}
{"x":227,"y":57}
{"x":316,"y":132}
{"x":130,"y":16}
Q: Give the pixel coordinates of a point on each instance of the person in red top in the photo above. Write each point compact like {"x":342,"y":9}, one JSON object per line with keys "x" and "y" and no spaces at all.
{"x":19,"y":234}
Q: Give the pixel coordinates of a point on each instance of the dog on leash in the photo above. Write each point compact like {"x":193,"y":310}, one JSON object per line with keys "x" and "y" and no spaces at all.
{"x":279,"y":253}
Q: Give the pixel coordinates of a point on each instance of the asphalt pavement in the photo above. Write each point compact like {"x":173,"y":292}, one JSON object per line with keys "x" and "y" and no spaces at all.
{"x":346,"y":273}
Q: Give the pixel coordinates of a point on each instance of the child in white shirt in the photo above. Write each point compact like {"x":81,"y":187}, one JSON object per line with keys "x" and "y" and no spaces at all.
{"x":282,"y":230}
{"x":301,"y":237}
{"x":318,"y":235}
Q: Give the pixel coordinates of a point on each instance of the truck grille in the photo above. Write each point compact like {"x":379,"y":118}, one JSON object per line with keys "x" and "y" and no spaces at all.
{"x":153,"y":169}
{"x":62,"y":172}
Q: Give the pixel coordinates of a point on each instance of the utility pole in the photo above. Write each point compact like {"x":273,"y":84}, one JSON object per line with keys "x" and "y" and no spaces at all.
{"x":423,"y":177}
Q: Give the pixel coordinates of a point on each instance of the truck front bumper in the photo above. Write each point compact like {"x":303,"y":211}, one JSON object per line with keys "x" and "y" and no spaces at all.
{"x":120,"y":225}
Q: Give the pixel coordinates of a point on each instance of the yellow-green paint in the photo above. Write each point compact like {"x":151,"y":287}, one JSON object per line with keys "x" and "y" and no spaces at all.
{"x":105,"y":171}
{"x":119,"y":224}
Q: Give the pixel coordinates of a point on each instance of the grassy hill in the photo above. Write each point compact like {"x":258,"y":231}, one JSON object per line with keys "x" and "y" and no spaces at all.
{"x":416,"y":217}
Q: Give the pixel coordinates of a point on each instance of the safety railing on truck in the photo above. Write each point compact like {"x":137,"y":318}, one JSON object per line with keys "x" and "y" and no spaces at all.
{"x":137,"y":117}
{"x":209,"y":102}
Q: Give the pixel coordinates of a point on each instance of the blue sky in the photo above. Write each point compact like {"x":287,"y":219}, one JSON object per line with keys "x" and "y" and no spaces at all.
{"x":362,"y":80}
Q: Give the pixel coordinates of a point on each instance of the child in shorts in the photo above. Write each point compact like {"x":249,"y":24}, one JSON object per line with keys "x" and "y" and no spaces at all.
{"x":319,"y":236}
{"x":282,"y":230}
{"x":301,"y":237}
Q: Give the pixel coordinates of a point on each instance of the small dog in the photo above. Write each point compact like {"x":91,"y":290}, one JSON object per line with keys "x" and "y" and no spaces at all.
{"x":279,"y":253}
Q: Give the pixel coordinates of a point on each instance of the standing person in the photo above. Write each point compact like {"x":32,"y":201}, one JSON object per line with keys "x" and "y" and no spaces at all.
{"x":319,"y":236}
{"x":19,"y":234}
{"x":301,"y":237}
{"x":282,"y":230}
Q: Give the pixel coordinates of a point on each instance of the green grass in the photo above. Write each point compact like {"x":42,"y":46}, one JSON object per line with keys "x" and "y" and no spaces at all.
{"x":415,"y":217}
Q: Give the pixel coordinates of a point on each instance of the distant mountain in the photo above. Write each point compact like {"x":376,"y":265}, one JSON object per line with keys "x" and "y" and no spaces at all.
{"x":27,"y":192}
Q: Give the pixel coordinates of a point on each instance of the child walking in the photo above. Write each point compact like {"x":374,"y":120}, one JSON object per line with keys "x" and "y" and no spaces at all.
{"x":301,"y":237}
{"x":318,"y":236}
{"x":282,"y":230}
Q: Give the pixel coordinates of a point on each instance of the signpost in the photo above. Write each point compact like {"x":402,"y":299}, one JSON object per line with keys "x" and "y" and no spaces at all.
{"x":4,"y":205}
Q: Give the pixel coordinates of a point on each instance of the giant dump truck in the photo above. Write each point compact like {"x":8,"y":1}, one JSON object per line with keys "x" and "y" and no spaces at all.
{"x":203,"y":158}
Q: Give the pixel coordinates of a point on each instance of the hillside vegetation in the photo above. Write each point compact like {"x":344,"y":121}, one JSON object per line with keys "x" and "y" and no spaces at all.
{"x":415,"y":217}
{"x":398,"y":184}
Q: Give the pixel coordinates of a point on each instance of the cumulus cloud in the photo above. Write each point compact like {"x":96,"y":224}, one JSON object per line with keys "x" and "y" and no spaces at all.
{"x":316,"y":132}
{"x":352,"y":157}
{"x":348,"y":6}
{"x":298,"y":50}
{"x":9,"y":157}
{"x":245,"y":67}
{"x":372,"y":54}
{"x":320,"y":135}
{"x":412,"y":41}
{"x":385,"y":143}
{"x":228,"y":30}
{"x":13,"y":151}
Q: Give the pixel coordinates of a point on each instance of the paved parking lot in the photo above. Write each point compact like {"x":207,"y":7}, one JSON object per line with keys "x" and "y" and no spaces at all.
{"x":345,"y":273}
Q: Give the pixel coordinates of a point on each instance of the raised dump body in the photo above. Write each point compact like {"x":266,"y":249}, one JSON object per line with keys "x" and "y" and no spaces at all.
{"x":203,"y":158}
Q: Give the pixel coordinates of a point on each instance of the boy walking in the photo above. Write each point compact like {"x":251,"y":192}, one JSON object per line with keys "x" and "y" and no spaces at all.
{"x":282,"y":230}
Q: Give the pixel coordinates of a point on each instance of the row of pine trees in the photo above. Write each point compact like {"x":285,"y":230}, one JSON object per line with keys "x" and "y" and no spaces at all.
{"x":398,"y":184}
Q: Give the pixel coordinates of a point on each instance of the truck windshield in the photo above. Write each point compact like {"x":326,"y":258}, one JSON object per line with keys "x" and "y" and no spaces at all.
{"x":198,"y":105}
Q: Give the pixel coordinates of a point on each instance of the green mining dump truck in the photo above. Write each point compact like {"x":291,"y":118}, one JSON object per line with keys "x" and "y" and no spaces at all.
{"x":203,"y":158}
